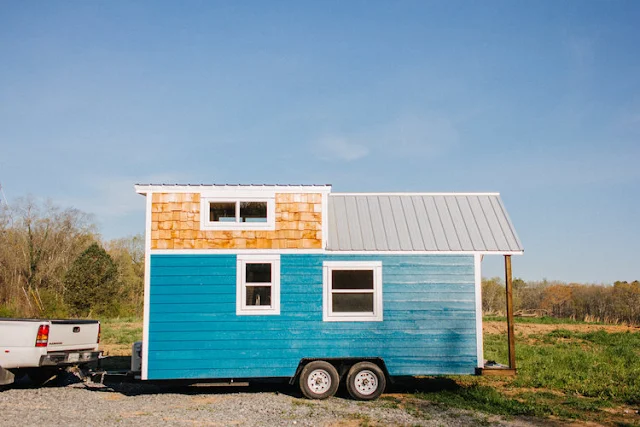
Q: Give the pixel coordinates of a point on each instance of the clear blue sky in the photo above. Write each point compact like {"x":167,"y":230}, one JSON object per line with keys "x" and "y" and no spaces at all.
{"x":537,"y":100}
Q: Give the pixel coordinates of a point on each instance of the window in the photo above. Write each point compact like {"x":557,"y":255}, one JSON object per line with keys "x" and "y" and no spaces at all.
{"x":352,"y":290}
{"x":258,"y":284}
{"x":239,"y":214}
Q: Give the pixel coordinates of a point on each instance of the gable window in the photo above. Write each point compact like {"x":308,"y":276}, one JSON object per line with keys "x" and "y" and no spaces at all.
{"x":258,"y":284}
{"x":238,"y":214}
{"x":352,"y":291}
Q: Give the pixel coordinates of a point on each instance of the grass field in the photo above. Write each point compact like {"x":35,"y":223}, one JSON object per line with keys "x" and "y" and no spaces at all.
{"x":567,"y":371}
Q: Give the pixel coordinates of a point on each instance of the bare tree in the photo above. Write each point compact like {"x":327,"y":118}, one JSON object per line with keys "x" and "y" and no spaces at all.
{"x":37,"y":243}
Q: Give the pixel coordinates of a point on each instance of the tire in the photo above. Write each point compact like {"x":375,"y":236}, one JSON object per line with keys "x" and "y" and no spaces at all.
{"x":42,"y":376}
{"x":366,"y":381}
{"x":319,"y":380}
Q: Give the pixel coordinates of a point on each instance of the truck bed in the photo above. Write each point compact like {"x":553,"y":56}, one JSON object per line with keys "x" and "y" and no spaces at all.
{"x":68,"y":341}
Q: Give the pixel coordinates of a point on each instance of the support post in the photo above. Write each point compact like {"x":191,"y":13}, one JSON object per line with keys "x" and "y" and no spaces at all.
{"x":510,"y":327}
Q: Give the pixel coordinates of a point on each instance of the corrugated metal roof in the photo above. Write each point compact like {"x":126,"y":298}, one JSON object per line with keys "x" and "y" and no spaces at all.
{"x":475,"y":222}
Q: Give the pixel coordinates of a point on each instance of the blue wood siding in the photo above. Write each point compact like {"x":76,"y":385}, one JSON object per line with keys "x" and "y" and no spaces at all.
{"x":428,"y":329}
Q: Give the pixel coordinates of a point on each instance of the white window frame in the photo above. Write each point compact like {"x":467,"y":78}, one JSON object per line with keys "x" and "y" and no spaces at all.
{"x":205,"y":224}
{"x":241,"y":285}
{"x":327,"y":300}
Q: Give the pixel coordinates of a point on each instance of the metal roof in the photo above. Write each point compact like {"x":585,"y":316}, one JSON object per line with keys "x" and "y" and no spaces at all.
{"x":446,"y":222}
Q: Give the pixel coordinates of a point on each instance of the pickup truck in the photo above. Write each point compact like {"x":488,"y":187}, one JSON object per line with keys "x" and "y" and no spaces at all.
{"x":41,"y":348}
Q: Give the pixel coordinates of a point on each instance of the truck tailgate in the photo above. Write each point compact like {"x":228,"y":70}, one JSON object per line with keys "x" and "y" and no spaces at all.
{"x":73,"y":335}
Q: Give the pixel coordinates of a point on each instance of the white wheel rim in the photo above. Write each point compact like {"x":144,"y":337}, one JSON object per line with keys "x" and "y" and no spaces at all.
{"x":366,"y":382}
{"x":319,"y":381}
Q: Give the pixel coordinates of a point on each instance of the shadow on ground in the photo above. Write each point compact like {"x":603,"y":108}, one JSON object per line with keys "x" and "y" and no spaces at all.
{"x":128,"y":386}
{"x":281,"y":386}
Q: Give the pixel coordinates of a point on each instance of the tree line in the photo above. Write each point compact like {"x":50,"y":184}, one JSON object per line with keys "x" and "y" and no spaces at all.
{"x":616,"y":303}
{"x":53,"y":264}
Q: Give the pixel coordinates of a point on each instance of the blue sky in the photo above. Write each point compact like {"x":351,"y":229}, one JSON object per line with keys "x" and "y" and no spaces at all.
{"x":539,"y":101}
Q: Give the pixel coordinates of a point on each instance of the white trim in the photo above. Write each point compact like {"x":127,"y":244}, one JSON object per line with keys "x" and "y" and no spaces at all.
{"x":147,"y":289}
{"x":327,"y":315}
{"x":269,"y":225}
{"x":235,"y":251}
{"x":477,"y":262}
{"x":241,"y":308}
{"x":230,"y":189}
{"x":321,"y":251}
{"x":414,"y":194}
{"x":409,"y":253}
{"x":325,"y":220}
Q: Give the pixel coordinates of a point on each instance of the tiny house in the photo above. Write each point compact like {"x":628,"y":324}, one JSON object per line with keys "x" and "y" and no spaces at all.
{"x":297,"y":282}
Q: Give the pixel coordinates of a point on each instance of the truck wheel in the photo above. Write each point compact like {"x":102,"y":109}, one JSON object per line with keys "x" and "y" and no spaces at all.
{"x":41,"y":376}
{"x":365,"y":381}
{"x":319,"y":380}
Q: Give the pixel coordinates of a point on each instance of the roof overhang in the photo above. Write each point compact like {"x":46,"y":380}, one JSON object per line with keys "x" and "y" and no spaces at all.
{"x":231,"y":189}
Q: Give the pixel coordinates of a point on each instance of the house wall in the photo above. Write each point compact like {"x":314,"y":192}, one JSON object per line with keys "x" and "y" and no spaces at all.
{"x":428,"y":328}
{"x":175,"y":224}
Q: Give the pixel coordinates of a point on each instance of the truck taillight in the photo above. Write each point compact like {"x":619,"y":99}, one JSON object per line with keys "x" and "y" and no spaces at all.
{"x":43,"y":336}
{"x":99,"y":331}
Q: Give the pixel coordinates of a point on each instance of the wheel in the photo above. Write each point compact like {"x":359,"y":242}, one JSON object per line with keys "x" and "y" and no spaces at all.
{"x":41,"y":376}
{"x":319,"y":380}
{"x":365,"y":381}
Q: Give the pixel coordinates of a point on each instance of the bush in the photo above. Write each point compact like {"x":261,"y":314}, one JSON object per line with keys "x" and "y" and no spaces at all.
{"x":91,"y":285}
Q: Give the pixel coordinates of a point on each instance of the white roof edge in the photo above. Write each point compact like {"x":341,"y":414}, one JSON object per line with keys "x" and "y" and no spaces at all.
{"x":414,"y":194}
{"x":420,"y":252}
{"x":189,"y":188}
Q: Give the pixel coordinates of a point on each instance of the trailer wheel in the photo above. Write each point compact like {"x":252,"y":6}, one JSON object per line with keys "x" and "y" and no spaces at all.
{"x":365,"y":381}
{"x":319,"y":380}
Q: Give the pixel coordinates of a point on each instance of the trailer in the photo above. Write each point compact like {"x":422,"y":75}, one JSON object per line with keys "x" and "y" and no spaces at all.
{"x":319,"y":288}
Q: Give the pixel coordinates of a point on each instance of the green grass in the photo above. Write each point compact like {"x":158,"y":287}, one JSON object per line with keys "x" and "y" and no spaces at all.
{"x":593,"y":364}
{"x":7,"y":312}
{"x":121,"y":331}
{"x":563,"y":374}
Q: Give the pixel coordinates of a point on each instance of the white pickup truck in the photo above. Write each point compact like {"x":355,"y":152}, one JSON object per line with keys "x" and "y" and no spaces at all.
{"x":40,"y":348}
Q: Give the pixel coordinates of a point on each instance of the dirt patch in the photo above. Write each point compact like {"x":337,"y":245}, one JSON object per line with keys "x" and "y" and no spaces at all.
{"x":526,"y":329}
{"x":113,"y":397}
{"x":205,"y":400}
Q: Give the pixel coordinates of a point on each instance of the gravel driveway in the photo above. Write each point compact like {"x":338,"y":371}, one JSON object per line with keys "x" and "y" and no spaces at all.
{"x":136,"y":404}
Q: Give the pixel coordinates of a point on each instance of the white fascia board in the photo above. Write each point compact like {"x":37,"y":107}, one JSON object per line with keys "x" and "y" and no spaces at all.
{"x":147,"y":290}
{"x":231,"y":190}
{"x":343,"y":252}
{"x":235,"y":251}
{"x":318,"y":251}
{"x":414,"y":194}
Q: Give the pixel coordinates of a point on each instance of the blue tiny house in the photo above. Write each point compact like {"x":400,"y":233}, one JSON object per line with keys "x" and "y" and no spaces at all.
{"x":255,"y":281}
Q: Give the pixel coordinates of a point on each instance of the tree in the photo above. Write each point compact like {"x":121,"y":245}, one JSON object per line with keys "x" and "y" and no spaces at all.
{"x":91,"y":283}
{"x":37,"y":243}
{"x":493,"y":296}
{"x":128,"y":254}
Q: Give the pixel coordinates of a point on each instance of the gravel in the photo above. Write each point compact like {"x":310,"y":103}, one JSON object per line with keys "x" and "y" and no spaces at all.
{"x":71,"y":402}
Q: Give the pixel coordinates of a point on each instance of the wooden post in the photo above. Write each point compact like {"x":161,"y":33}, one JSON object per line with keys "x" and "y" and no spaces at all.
{"x":510,"y":328}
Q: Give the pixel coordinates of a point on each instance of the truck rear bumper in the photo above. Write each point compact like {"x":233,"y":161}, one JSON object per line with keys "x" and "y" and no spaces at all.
{"x":65,"y":358}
